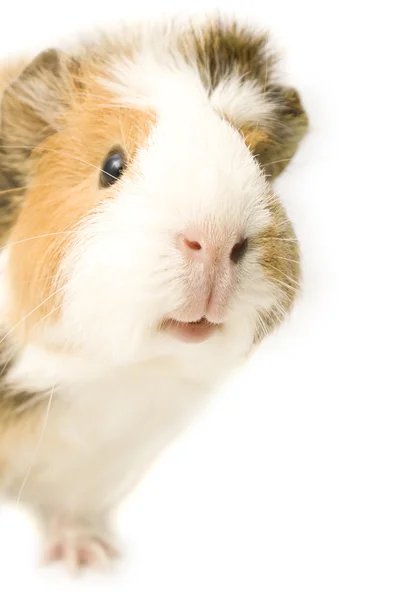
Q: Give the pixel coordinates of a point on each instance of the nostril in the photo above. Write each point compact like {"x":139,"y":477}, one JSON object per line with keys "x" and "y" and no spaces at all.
{"x":238,"y":250}
{"x":192,"y":244}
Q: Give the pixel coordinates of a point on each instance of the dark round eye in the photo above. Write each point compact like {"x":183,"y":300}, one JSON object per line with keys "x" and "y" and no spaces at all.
{"x":112,"y":169}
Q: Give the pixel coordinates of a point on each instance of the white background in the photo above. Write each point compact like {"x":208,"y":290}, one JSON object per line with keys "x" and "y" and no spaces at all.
{"x":289,"y":486}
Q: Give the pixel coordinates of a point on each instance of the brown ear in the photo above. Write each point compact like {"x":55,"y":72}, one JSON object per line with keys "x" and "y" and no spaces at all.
{"x":275,"y":143}
{"x":229,"y":50}
{"x":31,"y":105}
{"x":31,"y":108}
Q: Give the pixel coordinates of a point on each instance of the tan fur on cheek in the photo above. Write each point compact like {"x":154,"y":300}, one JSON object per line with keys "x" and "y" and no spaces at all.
{"x":64,"y":190}
{"x":280,"y":260}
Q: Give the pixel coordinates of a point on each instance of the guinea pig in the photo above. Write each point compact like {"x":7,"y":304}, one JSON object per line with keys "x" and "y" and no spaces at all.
{"x":144,"y":255}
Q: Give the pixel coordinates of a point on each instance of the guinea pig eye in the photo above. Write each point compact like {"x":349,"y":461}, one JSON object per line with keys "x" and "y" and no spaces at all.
{"x":112,"y":169}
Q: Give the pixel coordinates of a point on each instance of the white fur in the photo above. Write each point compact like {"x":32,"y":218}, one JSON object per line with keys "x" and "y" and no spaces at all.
{"x":107,"y":430}
{"x":242,"y":100}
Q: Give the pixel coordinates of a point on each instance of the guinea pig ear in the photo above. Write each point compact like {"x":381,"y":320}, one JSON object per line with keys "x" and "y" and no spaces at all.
{"x":238,"y":68}
{"x":32,"y":105}
{"x":31,"y":109}
{"x":275,"y":141}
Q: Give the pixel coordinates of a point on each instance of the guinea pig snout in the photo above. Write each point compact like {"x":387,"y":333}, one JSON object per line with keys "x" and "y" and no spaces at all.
{"x":196,"y":245}
{"x":210,"y":260}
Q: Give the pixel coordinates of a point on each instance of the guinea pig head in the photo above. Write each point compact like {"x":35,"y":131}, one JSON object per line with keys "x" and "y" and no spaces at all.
{"x":141,"y":208}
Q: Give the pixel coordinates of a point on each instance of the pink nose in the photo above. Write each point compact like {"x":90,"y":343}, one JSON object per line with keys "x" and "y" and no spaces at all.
{"x":195,"y":245}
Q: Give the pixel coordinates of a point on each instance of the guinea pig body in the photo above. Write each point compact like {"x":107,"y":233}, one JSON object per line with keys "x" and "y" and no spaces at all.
{"x":146,"y":253}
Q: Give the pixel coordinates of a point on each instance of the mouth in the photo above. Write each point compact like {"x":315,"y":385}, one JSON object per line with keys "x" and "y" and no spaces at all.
{"x":192,"y":332}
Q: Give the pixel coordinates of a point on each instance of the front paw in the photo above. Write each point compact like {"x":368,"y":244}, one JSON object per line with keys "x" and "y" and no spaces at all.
{"x":80,"y":543}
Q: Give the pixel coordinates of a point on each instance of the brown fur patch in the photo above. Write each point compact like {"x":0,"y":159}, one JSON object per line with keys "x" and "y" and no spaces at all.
{"x":281,"y":262}
{"x":277,"y":143}
{"x":230,"y":48}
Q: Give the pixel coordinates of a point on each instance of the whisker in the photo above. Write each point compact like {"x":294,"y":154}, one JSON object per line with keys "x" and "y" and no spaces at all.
{"x":287,"y":285}
{"x":283,"y":312}
{"x":79,"y":160}
{"x":47,"y":315}
{"x":24,"y":187}
{"x":289,"y":259}
{"x":280,"y":239}
{"x":36,"y":453}
{"x":38,"y":149}
{"x":262,"y":325}
{"x":30,"y":313}
{"x":282,"y":223}
{"x":278,"y":315}
{"x":37,"y":237}
{"x":285,"y":275}
{"x":276,"y":162}
{"x":125,"y":147}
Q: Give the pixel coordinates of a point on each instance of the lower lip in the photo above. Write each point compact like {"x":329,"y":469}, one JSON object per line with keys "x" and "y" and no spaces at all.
{"x":190,"y":333}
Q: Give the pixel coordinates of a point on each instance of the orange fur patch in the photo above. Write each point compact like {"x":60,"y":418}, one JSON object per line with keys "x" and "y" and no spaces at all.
{"x":64,"y":189}
{"x":254,"y":138}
